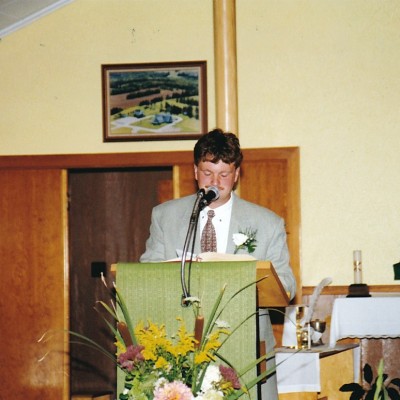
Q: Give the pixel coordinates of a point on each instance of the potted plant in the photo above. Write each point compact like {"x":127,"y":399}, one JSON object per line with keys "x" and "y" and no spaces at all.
{"x":376,"y":389}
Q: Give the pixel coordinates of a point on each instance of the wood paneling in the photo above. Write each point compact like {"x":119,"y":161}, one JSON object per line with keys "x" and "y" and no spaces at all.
{"x":184,"y":182}
{"x":33,"y":286}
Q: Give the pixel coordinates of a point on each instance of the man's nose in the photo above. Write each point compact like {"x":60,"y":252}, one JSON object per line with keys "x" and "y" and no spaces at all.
{"x":215,"y":180}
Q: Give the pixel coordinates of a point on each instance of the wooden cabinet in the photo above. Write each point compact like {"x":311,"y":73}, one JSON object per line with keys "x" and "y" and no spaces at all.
{"x":336,"y":368}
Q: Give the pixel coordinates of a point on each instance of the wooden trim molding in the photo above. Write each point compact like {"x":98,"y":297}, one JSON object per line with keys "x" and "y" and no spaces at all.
{"x":106,"y":160}
{"x":121,"y":160}
{"x":343,"y":290}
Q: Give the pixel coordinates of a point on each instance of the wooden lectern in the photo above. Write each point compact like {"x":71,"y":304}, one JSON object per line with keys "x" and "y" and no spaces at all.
{"x":271,"y":292}
{"x":153,"y":292}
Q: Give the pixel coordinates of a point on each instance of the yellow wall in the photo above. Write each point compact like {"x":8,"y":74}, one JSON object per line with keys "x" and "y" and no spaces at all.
{"x":322,"y":75}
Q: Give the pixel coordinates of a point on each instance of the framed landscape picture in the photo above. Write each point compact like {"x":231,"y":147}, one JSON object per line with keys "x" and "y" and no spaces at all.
{"x":156,"y":101}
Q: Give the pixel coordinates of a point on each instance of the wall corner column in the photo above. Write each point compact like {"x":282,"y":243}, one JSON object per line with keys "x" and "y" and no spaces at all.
{"x":225,"y":65}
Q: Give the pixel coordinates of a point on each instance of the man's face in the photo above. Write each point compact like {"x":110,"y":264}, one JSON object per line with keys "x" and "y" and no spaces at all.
{"x":221,"y":175}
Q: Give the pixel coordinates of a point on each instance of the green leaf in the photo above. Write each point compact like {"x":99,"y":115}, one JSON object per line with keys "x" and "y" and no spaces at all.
{"x":368,"y":376}
{"x":109,"y":309}
{"x":379,"y":381}
{"x":125,"y":312}
{"x":357,"y":395}
{"x":238,"y":292}
{"x":392,"y":394}
{"x":91,"y":343}
{"x":237,"y":327}
{"x":211,"y":320}
{"x":396,"y":381}
{"x":350,"y":387}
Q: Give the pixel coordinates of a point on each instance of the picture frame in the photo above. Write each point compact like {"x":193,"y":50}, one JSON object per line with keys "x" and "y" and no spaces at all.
{"x":154,"y":101}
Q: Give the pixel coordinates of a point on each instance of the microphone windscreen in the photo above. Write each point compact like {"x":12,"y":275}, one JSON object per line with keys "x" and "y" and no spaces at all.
{"x":212,"y":194}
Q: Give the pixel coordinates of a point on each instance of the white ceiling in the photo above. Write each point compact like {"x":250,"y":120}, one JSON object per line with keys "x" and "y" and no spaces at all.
{"x":15,"y":14}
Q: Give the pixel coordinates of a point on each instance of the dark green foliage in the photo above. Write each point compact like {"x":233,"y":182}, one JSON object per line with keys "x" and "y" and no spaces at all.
{"x":390,"y":390}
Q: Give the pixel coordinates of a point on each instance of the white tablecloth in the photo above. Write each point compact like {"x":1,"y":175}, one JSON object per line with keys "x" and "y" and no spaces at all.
{"x":365,"y":317}
{"x":298,"y":372}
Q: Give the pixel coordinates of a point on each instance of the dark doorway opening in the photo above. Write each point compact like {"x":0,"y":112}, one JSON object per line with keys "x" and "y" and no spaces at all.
{"x":109,"y":218}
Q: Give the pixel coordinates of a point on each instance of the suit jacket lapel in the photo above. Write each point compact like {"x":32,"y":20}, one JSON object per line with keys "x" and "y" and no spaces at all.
{"x":184,"y":226}
{"x":234,"y":225}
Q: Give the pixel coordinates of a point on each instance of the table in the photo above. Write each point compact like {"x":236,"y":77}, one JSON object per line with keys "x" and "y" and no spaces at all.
{"x":365,"y":317}
{"x":309,"y":374}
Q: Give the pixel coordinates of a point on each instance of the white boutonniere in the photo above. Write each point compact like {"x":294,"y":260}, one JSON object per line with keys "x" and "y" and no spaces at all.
{"x":245,"y":240}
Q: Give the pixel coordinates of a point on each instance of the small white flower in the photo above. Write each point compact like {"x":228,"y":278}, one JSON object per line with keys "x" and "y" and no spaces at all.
{"x":213,"y":395}
{"x":245,"y":240}
{"x":239,"y":239}
{"x":192,"y":299}
{"x":222,"y":324}
{"x":159,"y":383}
{"x":211,"y":377}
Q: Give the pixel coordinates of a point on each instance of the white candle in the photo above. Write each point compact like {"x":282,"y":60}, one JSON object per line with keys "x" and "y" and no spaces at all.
{"x":357,"y":266}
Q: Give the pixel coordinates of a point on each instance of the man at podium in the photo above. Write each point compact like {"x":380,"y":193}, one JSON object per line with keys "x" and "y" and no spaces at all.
{"x":223,"y":222}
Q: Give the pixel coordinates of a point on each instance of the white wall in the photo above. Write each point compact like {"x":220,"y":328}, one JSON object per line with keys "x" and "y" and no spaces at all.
{"x":324,"y":75}
{"x":321,"y":75}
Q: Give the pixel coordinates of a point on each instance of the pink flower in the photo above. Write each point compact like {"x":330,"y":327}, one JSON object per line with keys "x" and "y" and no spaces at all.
{"x":173,"y":391}
{"x":230,"y":375}
{"x":131,"y":357}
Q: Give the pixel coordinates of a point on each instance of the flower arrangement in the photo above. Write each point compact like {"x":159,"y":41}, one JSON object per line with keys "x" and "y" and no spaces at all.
{"x":245,"y":240}
{"x":185,"y":366}
{"x":160,"y":367}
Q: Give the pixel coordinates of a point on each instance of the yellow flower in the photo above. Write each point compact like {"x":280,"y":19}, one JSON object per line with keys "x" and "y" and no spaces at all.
{"x":203,"y":357}
{"x":211,"y":345}
{"x":186,"y":341}
{"x":161,"y":363}
{"x":213,"y":342}
{"x":153,"y":338}
{"x":120,"y":347}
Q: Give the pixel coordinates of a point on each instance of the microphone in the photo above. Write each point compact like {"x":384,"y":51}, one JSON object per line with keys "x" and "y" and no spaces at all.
{"x":203,"y":199}
{"x":211,"y":195}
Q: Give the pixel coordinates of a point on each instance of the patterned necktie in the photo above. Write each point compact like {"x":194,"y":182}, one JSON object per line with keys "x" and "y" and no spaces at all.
{"x":208,"y":236}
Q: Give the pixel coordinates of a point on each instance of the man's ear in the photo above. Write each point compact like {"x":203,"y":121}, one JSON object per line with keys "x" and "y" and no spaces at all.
{"x":237,"y":174}
{"x":195,"y":171}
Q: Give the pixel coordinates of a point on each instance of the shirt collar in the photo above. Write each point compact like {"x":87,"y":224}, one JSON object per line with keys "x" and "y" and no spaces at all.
{"x":223,"y":210}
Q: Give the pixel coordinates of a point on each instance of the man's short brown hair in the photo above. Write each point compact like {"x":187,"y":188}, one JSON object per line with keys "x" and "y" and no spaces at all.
{"x":217,"y":145}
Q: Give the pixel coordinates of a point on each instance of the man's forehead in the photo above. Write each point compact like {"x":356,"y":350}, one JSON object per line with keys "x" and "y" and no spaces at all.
{"x":219,"y":165}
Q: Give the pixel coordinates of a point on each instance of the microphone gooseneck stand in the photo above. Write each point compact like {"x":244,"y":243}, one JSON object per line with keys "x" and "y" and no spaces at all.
{"x":190,"y":239}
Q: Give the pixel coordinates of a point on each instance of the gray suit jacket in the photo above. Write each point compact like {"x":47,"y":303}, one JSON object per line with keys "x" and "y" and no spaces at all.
{"x":170,"y":221}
